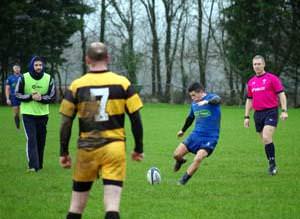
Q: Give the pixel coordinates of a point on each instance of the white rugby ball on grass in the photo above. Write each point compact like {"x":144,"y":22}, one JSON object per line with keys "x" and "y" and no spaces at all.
{"x":153,"y":176}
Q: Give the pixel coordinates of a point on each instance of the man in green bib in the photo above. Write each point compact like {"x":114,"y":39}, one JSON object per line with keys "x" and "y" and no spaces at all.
{"x":35,"y":89}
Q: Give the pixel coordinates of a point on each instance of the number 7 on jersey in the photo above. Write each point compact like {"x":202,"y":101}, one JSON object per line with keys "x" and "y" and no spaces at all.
{"x":103,"y":93}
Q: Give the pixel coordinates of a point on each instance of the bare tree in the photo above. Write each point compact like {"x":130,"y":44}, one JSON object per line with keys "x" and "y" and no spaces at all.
{"x":184,"y":76}
{"x":203,"y":52}
{"x":155,"y":62}
{"x":199,"y":43}
{"x":171,"y":11}
{"x":128,"y":19}
{"x":83,"y":44}
{"x":233,"y":79}
{"x":294,"y":65}
{"x":103,"y":20}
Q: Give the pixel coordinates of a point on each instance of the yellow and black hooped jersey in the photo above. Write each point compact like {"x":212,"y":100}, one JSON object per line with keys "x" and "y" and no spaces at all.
{"x":100,"y":100}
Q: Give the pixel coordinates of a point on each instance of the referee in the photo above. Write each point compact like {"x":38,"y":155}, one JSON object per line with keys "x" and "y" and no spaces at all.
{"x":264,"y":90}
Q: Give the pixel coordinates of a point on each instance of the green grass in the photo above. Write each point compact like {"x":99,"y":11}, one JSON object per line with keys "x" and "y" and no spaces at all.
{"x":232,"y":183}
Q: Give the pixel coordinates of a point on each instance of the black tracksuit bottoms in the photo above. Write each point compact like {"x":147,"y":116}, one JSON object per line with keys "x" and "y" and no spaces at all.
{"x":35,"y":131}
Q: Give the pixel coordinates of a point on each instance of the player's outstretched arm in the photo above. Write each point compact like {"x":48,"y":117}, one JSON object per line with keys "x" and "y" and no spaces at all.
{"x":215,"y":100}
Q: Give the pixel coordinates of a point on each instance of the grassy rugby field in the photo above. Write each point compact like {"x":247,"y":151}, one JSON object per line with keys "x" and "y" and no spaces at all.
{"x":232,"y":183}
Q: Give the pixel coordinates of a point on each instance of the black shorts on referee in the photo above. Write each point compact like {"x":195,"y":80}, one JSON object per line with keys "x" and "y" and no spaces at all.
{"x":265,"y":117}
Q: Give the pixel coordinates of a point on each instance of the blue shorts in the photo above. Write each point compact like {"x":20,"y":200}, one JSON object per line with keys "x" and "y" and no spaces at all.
{"x":265,"y":117}
{"x":14,"y":101}
{"x":195,"y":142}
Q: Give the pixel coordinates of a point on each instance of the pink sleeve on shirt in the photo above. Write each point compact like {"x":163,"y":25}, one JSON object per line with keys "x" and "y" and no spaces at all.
{"x":249,"y":90}
{"x":276,"y":83}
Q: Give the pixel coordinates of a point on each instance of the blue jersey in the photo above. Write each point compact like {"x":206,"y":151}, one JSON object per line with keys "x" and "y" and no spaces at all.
{"x":12,"y":82}
{"x":207,"y":118}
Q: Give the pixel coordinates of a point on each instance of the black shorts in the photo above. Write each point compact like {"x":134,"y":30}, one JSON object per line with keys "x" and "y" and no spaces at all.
{"x":265,"y":117}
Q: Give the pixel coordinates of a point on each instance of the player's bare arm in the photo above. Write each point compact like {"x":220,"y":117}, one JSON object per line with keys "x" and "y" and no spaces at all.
{"x":283,"y":103}
{"x":248,"y":108}
{"x":7,"y":91}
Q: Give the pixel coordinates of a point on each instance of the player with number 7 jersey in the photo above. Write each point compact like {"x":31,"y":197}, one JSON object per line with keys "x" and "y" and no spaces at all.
{"x":100,"y":100}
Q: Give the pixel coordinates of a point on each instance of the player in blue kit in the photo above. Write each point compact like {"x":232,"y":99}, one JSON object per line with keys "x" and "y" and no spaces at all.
{"x":11,"y":99}
{"x":206,"y":110}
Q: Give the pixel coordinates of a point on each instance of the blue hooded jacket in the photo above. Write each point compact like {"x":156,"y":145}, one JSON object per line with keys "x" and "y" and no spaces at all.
{"x":32,"y":72}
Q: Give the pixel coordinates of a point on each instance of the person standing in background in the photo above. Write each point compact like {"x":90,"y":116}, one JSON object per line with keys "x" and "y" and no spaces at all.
{"x":11,"y":99}
{"x":35,"y":89}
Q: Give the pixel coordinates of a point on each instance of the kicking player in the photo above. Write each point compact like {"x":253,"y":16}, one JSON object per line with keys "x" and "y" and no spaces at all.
{"x":263,"y":91}
{"x":11,"y":99}
{"x":205,"y":109}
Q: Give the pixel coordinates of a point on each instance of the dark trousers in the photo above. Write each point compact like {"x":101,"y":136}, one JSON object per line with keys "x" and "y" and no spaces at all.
{"x":35,"y":130}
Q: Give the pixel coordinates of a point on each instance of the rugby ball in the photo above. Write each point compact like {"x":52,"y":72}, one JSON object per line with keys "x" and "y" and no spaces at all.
{"x":153,"y":176}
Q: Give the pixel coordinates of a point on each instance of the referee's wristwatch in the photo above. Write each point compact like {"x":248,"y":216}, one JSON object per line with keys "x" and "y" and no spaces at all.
{"x":284,"y":111}
{"x":246,"y":117}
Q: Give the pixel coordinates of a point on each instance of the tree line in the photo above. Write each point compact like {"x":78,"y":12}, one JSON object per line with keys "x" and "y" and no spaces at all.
{"x":34,"y":27}
{"x":175,"y":42}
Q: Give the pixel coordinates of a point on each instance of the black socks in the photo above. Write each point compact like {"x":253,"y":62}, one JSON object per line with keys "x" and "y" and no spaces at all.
{"x":112,"y":215}
{"x":73,"y":216}
{"x":108,"y":215}
{"x":17,"y":121}
{"x":270,"y":153}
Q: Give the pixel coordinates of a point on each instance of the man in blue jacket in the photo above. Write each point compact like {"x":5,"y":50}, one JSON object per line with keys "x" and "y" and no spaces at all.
{"x":35,"y":89}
